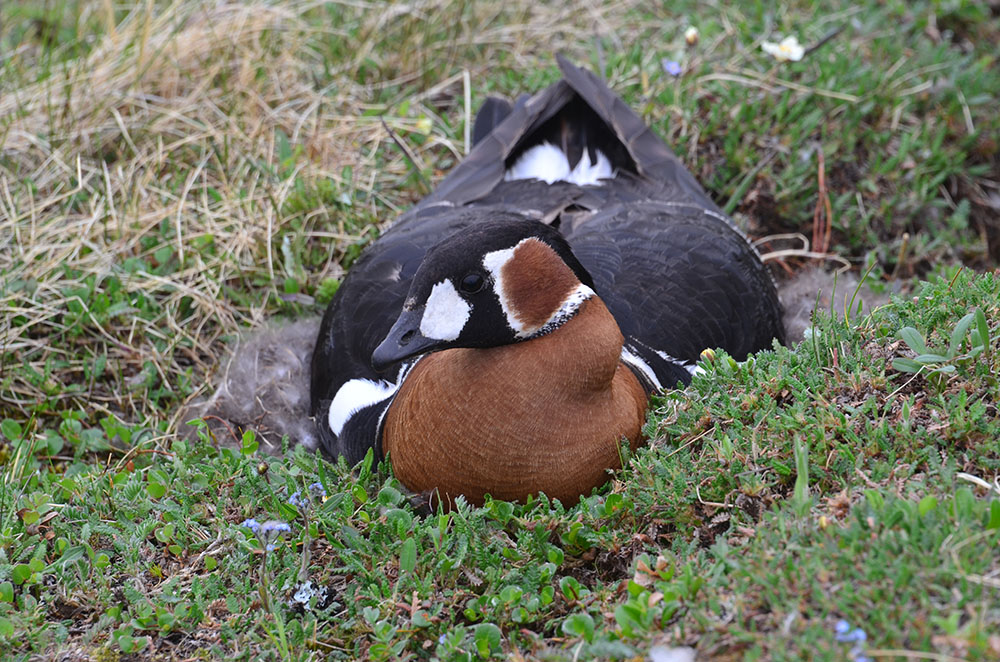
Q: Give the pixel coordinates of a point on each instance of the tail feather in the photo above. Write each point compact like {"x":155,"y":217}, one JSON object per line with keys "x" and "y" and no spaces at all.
{"x":493,"y":111}
{"x":576,"y":114}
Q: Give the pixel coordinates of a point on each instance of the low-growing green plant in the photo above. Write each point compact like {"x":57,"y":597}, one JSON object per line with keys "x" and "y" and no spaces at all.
{"x":939,"y":364}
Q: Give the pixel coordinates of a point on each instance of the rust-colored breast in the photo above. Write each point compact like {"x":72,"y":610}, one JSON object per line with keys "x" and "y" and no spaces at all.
{"x":542,"y":415}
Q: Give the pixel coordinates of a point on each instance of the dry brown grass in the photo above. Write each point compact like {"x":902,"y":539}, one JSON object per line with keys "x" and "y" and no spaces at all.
{"x":168,"y":133}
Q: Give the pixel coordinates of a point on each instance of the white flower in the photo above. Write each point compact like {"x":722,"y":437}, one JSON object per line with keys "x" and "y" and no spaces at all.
{"x":788,"y":49}
{"x":691,"y":36}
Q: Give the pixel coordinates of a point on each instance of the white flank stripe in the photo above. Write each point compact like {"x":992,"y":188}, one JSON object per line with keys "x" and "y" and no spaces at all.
{"x":636,"y":362}
{"x":549,"y":164}
{"x":692,"y":368}
{"x":445,"y":313}
{"x":354,"y":396}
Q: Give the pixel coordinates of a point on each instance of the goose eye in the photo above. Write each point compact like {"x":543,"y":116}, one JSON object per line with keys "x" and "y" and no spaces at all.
{"x":472,"y":283}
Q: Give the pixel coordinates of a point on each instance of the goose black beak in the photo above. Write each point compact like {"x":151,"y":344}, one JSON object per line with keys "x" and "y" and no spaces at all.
{"x":403,"y":341}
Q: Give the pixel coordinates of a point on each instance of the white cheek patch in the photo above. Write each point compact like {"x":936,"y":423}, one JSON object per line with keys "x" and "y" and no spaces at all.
{"x":354,"y":396}
{"x":445,"y":313}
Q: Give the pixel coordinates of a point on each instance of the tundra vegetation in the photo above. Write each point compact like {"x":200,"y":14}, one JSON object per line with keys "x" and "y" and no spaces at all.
{"x":174,"y":174}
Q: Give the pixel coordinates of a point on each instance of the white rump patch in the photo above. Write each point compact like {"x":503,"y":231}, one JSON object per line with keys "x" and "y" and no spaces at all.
{"x":587,"y":173}
{"x":445,"y":312}
{"x":549,"y":164}
{"x":354,"y":396}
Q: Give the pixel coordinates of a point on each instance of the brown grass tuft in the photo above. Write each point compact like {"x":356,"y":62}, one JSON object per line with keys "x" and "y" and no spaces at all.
{"x":157,"y":170}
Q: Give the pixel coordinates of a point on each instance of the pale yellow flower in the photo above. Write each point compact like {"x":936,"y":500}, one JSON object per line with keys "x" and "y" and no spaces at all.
{"x":424,"y":125}
{"x":691,"y":36}
{"x":788,"y":49}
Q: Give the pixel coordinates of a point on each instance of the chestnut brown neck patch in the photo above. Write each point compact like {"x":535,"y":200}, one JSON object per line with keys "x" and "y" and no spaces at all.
{"x":535,"y":283}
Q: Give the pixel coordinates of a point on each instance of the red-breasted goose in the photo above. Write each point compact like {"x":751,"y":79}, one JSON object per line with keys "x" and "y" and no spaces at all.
{"x":504,"y":335}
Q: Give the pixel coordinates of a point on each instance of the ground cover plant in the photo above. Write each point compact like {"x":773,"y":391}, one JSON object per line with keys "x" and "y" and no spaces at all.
{"x":175,"y":173}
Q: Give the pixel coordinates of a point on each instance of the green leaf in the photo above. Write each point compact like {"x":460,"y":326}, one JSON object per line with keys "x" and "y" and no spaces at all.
{"x":930,"y":358}
{"x":29,"y":517}
{"x":570,"y":587}
{"x":801,"y":492}
{"x":958,"y":335}
{"x":926,"y":505}
{"x":613,"y":503}
{"x":875,"y":500}
{"x":249,"y":443}
{"x":210,"y":563}
{"x":983,"y":328}
{"x":629,"y":620}
{"x":126,"y":643}
{"x":165,"y":621}
{"x":501,"y":511}
{"x":994,"y":522}
{"x":408,"y":555}
{"x":487,"y":638}
{"x":6,"y":628}
{"x":11,"y":429}
{"x":511,"y":594}
{"x":906,"y":365}
{"x":71,"y":555}
{"x":20,"y":573}
{"x":6,"y":592}
{"x":579,"y":625}
{"x":420,"y":619}
{"x":389,"y":496}
{"x":912,"y":337}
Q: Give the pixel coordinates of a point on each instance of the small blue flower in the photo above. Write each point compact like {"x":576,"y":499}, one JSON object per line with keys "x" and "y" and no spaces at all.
{"x":843,"y":632}
{"x":274,"y":527}
{"x":315,"y":492}
{"x":251,"y":524}
{"x":271,"y":530}
{"x":672,"y":67}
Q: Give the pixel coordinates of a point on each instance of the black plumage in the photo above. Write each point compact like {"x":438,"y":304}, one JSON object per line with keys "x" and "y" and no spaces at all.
{"x":675,"y":272}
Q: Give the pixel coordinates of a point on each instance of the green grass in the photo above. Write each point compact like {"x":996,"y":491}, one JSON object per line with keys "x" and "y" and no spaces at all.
{"x":175,"y":173}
